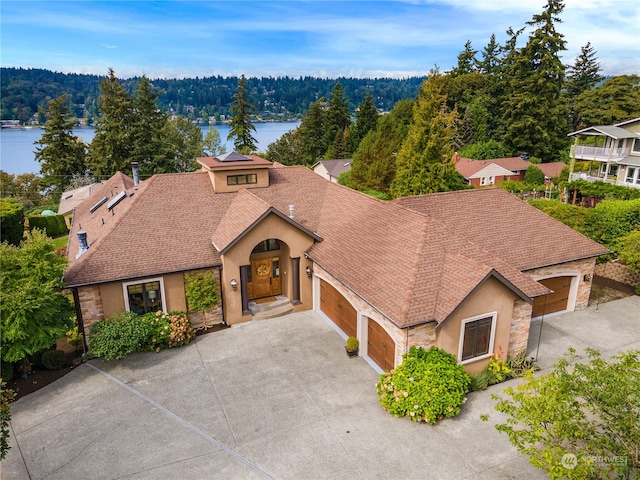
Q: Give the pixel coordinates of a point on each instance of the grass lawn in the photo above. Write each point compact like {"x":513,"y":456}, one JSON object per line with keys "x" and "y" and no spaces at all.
{"x":60,"y":241}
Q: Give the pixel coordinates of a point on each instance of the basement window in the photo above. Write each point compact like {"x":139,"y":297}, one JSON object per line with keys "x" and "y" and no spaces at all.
{"x":242,"y":179}
{"x":144,"y":297}
{"x":476,"y":337}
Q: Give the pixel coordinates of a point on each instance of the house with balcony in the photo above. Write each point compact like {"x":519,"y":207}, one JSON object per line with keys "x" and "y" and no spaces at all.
{"x":613,"y":150}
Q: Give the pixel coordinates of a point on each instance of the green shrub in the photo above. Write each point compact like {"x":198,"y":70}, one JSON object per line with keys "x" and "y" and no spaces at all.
{"x":11,"y":221}
{"x":429,"y":385}
{"x":6,"y":397}
{"x":481,"y":380}
{"x":612,"y":220}
{"x":571,"y":215}
{"x":119,"y":335}
{"x":534,"y":176}
{"x":53,"y":359}
{"x":600,"y":189}
{"x":353,"y":344}
{"x":6,"y":370}
{"x":36,"y":358}
{"x":53,"y":226}
{"x":201,"y":290}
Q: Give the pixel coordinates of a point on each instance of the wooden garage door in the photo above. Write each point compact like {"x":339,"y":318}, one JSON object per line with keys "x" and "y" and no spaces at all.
{"x":338,"y":309}
{"x":556,"y":301}
{"x":381,"y":348}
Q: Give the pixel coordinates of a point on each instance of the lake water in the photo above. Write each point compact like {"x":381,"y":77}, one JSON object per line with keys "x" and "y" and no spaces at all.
{"x":17,"y":149}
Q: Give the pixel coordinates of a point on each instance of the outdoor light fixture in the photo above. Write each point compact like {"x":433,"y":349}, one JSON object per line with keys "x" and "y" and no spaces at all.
{"x":309,"y":272}
{"x":234,"y":283}
{"x":587,"y":278}
{"x":152,"y":295}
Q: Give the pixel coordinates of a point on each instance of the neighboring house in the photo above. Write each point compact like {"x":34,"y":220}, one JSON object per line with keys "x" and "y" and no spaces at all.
{"x":617,"y":160}
{"x":331,"y":169}
{"x":464,"y":271}
{"x":494,"y":171}
{"x":71,"y":198}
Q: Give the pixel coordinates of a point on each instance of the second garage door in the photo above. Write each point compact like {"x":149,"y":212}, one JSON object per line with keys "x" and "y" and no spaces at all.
{"x":380,"y":347}
{"x":338,"y":309}
{"x":556,"y":301}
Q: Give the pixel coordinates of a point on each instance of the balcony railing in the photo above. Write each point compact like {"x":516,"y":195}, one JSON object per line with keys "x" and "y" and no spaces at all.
{"x":591,"y":178}
{"x":599,"y":154}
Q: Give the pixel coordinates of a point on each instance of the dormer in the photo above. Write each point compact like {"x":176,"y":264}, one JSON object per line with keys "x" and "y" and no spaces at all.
{"x":233,"y":171}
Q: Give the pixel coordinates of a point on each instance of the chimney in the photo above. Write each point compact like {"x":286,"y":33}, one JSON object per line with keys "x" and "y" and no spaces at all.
{"x":136,"y":173}
{"x":291,"y":212}
{"x":83,"y":246}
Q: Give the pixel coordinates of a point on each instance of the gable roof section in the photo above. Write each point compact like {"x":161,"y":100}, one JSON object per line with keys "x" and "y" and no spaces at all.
{"x":507,"y":227}
{"x":165,"y":226}
{"x":552,"y":169}
{"x":612,"y":131}
{"x":492,"y":170}
{"x":470,"y":168}
{"x":71,"y":198}
{"x":246,"y":211}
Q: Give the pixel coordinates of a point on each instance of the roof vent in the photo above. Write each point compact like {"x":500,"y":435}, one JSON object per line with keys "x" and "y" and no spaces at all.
{"x":83,"y":245}
{"x":291,"y":208}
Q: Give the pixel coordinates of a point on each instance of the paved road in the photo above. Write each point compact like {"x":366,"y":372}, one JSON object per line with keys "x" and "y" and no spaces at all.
{"x":271,"y":399}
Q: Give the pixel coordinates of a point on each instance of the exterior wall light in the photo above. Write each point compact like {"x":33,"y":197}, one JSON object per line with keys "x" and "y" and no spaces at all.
{"x":309,"y":272}
{"x":587,"y":278}
{"x":234,"y":284}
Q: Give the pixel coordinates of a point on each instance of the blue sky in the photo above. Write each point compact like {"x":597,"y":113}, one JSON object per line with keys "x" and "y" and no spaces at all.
{"x":174,"y":39}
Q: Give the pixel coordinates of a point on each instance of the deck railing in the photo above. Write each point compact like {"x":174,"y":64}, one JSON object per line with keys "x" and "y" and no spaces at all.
{"x":600,"y":154}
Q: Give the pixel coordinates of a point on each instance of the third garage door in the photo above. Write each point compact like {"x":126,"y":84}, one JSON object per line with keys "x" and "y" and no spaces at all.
{"x":338,"y":309}
{"x":556,"y":301}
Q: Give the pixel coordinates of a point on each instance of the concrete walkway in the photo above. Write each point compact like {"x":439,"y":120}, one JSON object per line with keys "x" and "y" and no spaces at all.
{"x":275,"y":398}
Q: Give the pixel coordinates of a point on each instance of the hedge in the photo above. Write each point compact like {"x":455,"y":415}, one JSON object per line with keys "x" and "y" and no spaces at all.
{"x":11,"y":221}
{"x":53,"y":226}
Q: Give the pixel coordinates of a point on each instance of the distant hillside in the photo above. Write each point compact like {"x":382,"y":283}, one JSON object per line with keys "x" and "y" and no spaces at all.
{"x":276,"y":98}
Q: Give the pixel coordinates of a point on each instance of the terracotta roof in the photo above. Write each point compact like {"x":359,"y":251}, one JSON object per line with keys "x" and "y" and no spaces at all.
{"x":552,"y":169}
{"x":508,"y":227}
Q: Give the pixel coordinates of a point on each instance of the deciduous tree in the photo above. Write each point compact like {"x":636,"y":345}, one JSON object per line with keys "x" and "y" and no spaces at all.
{"x":35,"y":312}
{"x":212,"y":143}
{"x":581,"y":420}
{"x":617,"y":100}
{"x":288,"y":149}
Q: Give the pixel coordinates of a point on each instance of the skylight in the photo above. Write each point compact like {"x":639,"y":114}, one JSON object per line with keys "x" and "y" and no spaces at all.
{"x":97,"y":205}
{"x":116,"y":200}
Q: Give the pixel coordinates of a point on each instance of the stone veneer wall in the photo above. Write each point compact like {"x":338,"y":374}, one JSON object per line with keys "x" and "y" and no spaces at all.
{"x":578,"y":268}
{"x":422,"y":336}
{"x":618,"y":272}
{"x":90,"y":306}
{"x":520,"y":323}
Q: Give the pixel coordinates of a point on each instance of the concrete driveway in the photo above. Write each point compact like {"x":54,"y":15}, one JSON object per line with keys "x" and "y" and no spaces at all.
{"x":277,"y":398}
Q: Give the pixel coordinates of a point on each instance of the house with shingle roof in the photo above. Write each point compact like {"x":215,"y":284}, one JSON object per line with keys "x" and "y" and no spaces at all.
{"x":496,"y":170}
{"x":464,"y":271}
{"x":331,"y":169}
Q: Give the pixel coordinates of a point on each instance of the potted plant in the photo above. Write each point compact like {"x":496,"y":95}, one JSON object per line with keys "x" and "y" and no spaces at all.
{"x":352,"y":346}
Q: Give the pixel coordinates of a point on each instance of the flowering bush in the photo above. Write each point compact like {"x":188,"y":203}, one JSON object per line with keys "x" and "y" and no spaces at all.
{"x":126,"y":332}
{"x":498,"y":367}
{"x":429,"y":385}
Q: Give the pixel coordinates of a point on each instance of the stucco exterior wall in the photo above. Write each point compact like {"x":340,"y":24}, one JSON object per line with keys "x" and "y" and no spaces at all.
{"x":492,"y":296}
{"x":294,"y":243}
{"x":219,"y":179}
{"x":582,"y":272}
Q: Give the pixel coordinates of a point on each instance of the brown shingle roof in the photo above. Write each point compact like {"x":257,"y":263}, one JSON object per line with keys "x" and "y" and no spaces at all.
{"x":411,"y":267}
{"x":509,"y":228}
{"x":467,"y":166}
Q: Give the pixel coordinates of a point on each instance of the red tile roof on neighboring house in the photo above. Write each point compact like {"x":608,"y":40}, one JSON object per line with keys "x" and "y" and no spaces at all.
{"x":414,"y":260}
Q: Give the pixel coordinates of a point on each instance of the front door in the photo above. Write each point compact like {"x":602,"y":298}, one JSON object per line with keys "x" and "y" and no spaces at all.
{"x":265,"y":278}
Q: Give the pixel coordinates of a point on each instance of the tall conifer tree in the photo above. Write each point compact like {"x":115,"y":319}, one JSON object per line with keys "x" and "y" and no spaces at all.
{"x":582,"y":76}
{"x":338,"y":117}
{"x":240,"y":126}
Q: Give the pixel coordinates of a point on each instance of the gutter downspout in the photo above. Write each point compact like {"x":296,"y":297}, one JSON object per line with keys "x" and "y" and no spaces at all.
{"x":79,"y":319}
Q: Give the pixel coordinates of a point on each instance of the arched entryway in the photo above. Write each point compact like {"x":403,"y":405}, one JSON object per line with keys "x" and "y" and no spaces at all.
{"x":264,"y":277}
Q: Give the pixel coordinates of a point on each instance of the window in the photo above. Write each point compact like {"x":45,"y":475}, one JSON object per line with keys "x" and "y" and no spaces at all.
{"x":144,"y":297}
{"x":487,"y":181}
{"x":636,"y":145}
{"x":242,"y":179}
{"x":476,"y":337}
{"x":267,"y":246}
{"x":631,"y":173}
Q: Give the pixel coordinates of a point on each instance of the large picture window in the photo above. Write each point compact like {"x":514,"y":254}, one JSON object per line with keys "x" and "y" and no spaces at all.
{"x":144,"y":297}
{"x":476,"y":337}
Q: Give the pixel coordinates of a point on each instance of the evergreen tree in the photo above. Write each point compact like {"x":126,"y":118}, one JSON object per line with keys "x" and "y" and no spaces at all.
{"x":490,"y":57}
{"x":534,"y":111}
{"x":186,"y":144}
{"x":338,"y":117}
{"x":112,"y":146}
{"x":60,"y":153}
{"x":240,"y":126}
{"x":366,"y":120}
{"x":373,"y":166}
{"x":425,"y":160}
{"x":581,"y":77}
{"x":150,"y":148}
{"x":312,"y":132}
{"x":467,"y":62}
{"x":617,"y":100}
{"x":339,"y":146}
